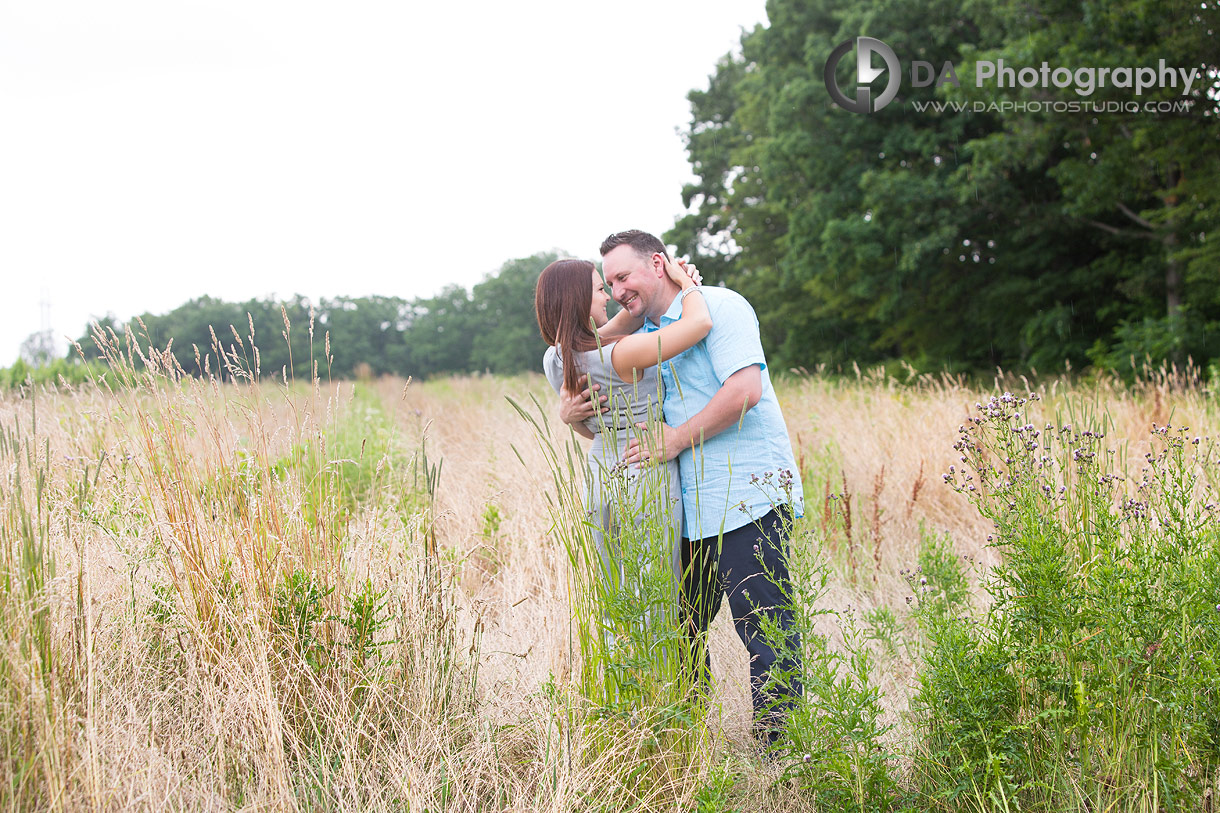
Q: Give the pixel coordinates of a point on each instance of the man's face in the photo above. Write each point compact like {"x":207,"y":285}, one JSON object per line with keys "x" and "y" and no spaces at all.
{"x":633,"y":279}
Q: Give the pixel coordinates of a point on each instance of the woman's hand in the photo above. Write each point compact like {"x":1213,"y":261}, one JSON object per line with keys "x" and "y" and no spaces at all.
{"x":692,"y":271}
{"x":682,"y":273}
{"x":576,"y":407}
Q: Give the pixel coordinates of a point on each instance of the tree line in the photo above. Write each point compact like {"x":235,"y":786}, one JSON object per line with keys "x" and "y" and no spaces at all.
{"x":488,"y":328}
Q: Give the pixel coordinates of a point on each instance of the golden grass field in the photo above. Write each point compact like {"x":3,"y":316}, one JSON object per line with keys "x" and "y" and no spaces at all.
{"x":158,"y":664}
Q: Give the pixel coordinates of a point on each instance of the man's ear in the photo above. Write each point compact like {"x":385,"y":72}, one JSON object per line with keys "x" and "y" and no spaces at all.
{"x":658,"y":264}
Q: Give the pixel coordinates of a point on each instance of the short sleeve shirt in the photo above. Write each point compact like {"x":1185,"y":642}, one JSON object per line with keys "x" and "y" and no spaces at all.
{"x":737,"y":476}
{"x":630,"y":403}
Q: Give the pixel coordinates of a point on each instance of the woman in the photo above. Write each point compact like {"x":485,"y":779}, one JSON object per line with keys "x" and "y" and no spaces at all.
{"x":623,"y":502}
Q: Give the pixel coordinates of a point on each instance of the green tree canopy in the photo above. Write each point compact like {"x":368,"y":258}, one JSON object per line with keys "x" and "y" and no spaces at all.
{"x":961,"y":238}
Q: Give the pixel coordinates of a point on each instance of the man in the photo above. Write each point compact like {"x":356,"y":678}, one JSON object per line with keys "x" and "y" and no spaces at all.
{"x":740,"y":486}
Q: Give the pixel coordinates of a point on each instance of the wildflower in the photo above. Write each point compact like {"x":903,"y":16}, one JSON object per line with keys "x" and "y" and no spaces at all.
{"x":923,"y":581}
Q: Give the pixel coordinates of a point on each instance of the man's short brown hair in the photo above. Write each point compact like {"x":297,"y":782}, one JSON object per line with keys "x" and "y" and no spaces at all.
{"x":643,"y":243}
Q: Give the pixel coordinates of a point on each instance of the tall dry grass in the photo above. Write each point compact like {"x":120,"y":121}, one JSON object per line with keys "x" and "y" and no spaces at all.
{"x":241,"y":592}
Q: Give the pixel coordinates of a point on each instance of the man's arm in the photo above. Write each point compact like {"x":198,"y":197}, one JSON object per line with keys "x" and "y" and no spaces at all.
{"x":737,"y":395}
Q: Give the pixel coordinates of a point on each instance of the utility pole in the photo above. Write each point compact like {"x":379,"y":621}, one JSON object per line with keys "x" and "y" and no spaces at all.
{"x":46,"y":340}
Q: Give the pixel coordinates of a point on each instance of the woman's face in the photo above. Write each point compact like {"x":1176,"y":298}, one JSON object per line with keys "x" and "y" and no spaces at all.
{"x":597,"y":310}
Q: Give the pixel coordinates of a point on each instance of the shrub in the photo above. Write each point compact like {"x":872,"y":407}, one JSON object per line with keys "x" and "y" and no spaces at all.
{"x":1090,"y":682}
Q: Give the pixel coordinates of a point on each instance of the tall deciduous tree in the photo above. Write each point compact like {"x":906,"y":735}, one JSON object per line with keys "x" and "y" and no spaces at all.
{"x":1144,"y":185}
{"x":506,"y":337}
{"x":955,"y":237}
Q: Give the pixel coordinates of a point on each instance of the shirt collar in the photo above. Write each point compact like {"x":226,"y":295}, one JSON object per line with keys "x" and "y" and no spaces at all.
{"x":672,"y":315}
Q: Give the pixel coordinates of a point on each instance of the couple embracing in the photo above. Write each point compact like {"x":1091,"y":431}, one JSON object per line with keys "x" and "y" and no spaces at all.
{"x":722,"y":450}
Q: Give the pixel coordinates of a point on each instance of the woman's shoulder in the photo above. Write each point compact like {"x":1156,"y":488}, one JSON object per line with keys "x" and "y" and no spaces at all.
{"x":597,"y":360}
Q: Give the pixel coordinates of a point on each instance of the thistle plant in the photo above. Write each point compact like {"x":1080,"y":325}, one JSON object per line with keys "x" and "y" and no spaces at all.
{"x":1090,"y":682}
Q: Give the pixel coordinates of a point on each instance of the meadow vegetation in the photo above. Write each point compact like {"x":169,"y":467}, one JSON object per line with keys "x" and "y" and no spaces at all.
{"x":245,"y":591}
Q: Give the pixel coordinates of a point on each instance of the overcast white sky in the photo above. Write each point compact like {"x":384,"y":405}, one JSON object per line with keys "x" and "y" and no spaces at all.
{"x":152,"y":151}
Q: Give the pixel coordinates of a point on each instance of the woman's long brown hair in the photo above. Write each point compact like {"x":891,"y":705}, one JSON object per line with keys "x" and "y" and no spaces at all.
{"x":562,"y":301}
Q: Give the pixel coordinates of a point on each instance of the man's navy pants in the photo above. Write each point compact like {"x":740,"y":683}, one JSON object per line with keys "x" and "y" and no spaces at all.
{"x":750,"y":566}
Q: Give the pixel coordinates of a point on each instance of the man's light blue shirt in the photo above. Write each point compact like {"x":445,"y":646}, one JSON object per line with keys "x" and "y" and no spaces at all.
{"x":737,"y":476}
